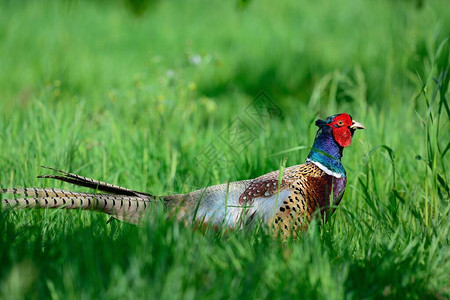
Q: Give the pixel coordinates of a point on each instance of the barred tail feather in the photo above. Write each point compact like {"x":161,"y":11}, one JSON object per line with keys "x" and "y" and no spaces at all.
{"x":123,"y":207}
{"x":91,"y":183}
{"x":39,"y":192}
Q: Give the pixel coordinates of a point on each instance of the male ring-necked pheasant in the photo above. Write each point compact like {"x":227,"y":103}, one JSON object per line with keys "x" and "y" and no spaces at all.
{"x":286,"y":202}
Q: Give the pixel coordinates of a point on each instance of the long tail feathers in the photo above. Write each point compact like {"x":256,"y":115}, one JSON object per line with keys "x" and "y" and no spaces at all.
{"x":91,"y":183}
{"x":125,"y":204}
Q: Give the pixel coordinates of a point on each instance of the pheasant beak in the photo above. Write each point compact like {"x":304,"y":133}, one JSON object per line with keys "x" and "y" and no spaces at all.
{"x":357,"y":125}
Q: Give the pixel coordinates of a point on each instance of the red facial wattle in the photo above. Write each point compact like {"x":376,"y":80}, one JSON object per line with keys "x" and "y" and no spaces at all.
{"x":342,"y":136}
{"x":341,"y":131}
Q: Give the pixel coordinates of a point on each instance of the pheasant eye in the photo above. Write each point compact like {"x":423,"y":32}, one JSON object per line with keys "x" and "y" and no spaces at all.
{"x":340,"y":123}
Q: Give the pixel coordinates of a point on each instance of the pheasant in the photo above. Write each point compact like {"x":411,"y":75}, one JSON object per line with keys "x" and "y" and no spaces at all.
{"x":286,"y":202}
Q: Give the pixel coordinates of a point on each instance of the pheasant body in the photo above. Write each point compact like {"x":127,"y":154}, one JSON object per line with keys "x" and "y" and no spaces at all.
{"x":286,"y":202}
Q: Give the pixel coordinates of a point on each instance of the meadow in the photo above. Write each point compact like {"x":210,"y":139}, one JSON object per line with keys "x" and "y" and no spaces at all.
{"x":135,"y":95}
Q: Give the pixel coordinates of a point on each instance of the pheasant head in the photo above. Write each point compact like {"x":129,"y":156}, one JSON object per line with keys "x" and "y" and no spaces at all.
{"x":334,"y":134}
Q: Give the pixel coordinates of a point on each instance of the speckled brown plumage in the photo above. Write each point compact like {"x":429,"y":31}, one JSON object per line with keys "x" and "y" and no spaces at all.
{"x":311,"y":190}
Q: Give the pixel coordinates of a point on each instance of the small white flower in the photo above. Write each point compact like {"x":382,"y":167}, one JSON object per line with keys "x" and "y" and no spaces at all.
{"x":170,"y":73}
{"x":195,"y":59}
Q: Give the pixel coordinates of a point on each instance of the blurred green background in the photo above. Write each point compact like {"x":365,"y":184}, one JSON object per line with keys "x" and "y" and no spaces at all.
{"x":133,"y":92}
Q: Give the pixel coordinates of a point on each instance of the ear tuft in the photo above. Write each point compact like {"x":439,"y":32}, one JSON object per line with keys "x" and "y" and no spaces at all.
{"x":320,"y":123}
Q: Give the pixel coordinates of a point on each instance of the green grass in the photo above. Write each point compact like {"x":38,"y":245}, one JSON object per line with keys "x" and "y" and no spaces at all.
{"x":92,"y":88}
